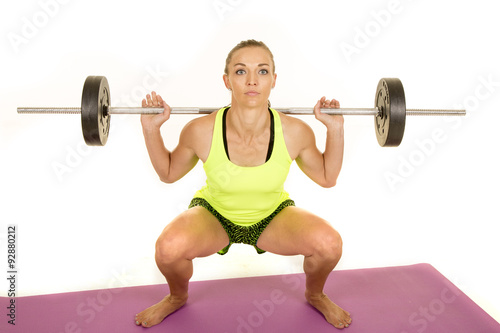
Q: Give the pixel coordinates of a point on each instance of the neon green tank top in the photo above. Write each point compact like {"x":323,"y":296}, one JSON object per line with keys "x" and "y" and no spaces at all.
{"x":245,"y":195}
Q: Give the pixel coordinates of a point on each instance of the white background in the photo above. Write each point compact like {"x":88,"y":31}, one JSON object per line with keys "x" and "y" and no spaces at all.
{"x":88,"y":217}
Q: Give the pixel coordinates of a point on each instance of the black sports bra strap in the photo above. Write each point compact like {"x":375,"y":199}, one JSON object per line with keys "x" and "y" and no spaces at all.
{"x":271,"y":138}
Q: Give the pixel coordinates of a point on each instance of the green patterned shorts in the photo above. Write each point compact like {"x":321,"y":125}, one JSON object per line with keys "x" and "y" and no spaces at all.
{"x":239,"y":234}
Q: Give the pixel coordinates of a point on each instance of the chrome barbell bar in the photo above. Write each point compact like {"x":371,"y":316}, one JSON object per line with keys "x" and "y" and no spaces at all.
{"x":196,"y":110}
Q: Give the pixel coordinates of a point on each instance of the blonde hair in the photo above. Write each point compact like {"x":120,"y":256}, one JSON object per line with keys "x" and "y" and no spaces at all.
{"x":248,"y":43}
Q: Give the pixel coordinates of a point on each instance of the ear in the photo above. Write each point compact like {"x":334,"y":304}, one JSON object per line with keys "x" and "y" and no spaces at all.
{"x":225,"y":77}
{"x":275,"y":77}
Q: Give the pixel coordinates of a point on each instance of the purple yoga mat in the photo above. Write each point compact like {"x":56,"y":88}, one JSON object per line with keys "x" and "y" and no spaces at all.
{"x":404,"y":299}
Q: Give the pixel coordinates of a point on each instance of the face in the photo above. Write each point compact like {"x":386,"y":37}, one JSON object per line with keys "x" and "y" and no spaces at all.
{"x":250,"y":77}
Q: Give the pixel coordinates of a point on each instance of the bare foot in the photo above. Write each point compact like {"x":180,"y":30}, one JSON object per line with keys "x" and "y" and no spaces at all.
{"x":155,"y":314}
{"x":333,"y":313}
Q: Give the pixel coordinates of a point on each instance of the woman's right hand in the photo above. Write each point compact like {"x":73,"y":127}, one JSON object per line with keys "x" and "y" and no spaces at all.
{"x":154,"y":121}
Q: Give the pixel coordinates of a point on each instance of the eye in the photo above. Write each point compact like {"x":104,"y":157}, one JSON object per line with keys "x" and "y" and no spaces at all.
{"x":263,"y":71}
{"x":240,"y":72}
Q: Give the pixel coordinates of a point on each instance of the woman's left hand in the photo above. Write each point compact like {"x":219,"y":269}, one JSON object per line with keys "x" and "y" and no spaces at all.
{"x":326,"y":119}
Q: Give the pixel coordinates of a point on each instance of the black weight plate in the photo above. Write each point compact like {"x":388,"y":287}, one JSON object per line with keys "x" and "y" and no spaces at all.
{"x":95,"y":118}
{"x":390,"y":124}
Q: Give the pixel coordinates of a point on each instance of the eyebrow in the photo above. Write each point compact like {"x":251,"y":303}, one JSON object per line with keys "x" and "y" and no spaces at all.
{"x":241,"y":64}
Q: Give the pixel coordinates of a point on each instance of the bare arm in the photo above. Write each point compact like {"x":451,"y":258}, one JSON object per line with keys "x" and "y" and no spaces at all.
{"x":323,"y":168}
{"x":170,"y":166}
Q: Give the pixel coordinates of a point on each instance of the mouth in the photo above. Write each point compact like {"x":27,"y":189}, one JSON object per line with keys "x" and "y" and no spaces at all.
{"x":251,"y":93}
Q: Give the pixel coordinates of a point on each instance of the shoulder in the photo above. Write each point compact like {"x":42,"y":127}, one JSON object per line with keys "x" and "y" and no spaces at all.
{"x":201,"y":125}
{"x":293,"y":124}
{"x":298,"y":134}
{"x":197,"y":135}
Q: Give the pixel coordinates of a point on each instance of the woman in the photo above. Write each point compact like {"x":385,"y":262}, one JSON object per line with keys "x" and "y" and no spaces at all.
{"x":246,"y":150}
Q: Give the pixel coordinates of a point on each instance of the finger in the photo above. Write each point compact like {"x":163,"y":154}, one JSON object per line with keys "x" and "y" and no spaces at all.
{"x":155,"y":99}
{"x":144,"y":103}
{"x":148,"y":98}
{"x":161,"y":102}
{"x":332,"y":104}
{"x":322,"y":102}
{"x":317,"y":107}
{"x":335,"y":104}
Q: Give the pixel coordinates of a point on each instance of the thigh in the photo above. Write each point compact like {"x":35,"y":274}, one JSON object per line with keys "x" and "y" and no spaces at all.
{"x":195,"y":232}
{"x":296,"y":231}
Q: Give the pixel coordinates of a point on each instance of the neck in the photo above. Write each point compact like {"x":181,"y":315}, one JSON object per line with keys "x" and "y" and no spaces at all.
{"x":248,"y":121}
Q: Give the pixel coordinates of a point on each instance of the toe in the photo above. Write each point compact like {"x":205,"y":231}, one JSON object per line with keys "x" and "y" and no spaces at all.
{"x":347,"y":319}
{"x":139,"y":320}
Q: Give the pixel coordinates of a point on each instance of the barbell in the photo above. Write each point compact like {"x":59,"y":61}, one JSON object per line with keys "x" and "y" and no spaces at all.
{"x":389,"y":111}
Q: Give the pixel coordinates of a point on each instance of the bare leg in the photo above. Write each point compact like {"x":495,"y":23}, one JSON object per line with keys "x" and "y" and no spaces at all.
{"x":194,"y":233}
{"x":295,"y":231}
{"x":317,"y":271}
{"x":177,"y":275}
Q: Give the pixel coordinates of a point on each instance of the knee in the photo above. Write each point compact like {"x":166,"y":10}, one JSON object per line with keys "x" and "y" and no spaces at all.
{"x":170,"y":247}
{"x":329,"y":244}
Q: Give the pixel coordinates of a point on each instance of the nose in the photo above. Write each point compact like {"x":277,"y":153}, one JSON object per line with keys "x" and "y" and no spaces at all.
{"x":251,"y":79}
